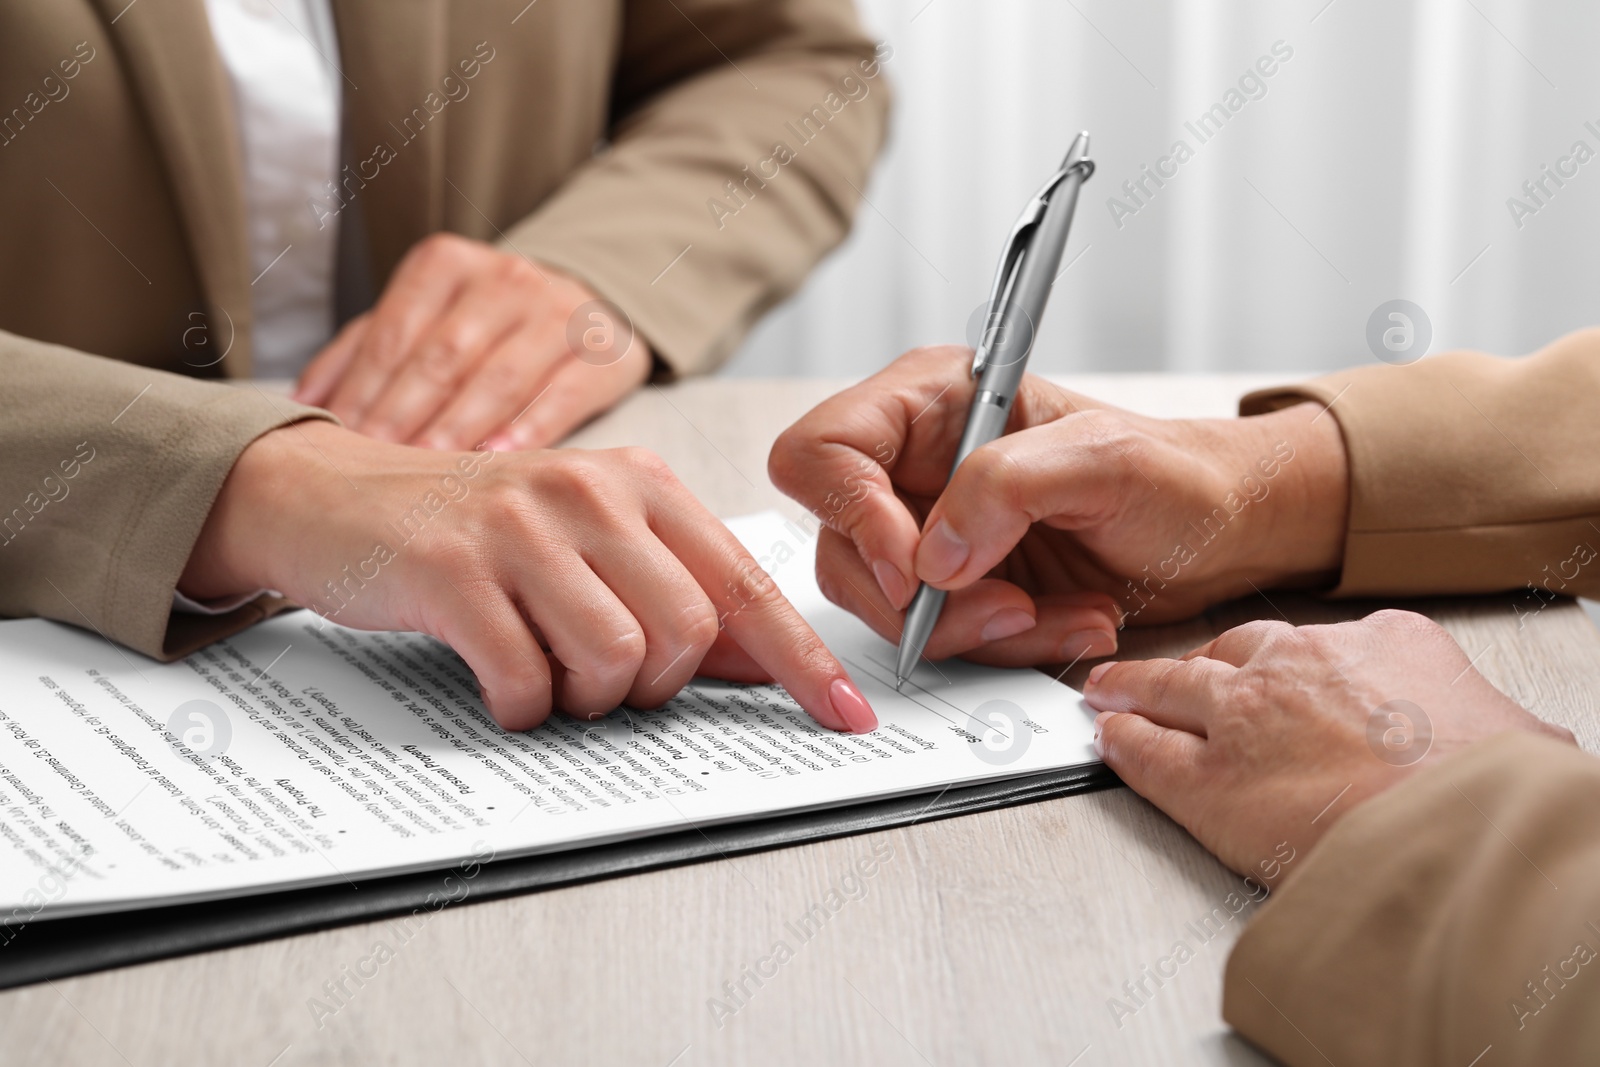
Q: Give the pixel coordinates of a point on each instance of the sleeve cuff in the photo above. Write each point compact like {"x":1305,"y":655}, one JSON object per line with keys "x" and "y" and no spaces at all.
{"x":223,"y":606}
{"x":1469,"y":473}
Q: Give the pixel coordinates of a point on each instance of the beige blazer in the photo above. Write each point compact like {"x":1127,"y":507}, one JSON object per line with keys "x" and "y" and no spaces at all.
{"x":689,"y":159}
{"x":1454,"y":920}
{"x":596,"y":135}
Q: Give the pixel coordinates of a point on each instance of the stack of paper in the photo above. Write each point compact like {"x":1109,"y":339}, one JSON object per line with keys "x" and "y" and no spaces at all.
{"x":301,"y":753}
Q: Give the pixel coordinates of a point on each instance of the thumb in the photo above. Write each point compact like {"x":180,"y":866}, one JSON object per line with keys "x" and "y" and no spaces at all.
{"x":1067,"y":471}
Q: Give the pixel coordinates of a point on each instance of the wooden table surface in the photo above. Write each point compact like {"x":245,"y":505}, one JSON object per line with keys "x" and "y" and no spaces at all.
{"x":991,"y":938}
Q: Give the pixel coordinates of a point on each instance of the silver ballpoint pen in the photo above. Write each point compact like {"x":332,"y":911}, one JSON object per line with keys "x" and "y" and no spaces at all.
{"x":1016,"y":306}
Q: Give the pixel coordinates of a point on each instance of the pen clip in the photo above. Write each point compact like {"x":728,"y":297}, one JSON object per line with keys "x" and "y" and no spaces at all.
{"x":1016,"y":247}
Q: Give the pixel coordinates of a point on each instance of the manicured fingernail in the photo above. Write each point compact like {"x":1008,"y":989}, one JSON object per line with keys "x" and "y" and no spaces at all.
{"x":891,"y":582}
{"x":851,"y":707}
{"x":502,"y":442}
{"x":942,"y":553}
{"x":1099,"y":672}
{"x":1007,"y":622}
{"x":1088,"y":644}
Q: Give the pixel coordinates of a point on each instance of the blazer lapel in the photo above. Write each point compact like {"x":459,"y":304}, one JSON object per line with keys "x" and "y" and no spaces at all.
{"x":394,"y":55}
{"x":167,"y":48}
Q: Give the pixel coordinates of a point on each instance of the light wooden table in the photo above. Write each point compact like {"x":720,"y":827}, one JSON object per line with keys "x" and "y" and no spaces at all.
{"x":991,"y":938}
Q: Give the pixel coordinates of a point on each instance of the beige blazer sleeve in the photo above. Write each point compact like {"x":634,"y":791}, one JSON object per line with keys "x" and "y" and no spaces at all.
{"x":1469,"y":473}
{"x":1453,"y":920}
{"x":110,"y":470}
{"x":745,"y":135}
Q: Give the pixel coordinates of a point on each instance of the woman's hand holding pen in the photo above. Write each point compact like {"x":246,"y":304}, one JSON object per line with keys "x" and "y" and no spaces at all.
{"x":1082,"y":514}
{"x":568,"y":580}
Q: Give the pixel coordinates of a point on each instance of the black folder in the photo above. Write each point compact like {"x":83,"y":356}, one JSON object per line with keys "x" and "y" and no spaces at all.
{"x":57,"y":948}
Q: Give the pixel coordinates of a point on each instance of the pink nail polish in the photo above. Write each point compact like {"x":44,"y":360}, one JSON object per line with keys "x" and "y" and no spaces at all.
{"x":851,"y":707}
{"x":942,"y":552}
{"x":1007,"y":622}
{"x":890,"y":581}
{"x":500,"y":443}
{"x":1099,"y":672}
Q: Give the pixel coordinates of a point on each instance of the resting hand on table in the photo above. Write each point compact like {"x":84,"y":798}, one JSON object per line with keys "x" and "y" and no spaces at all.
{"x":1270,"y":733}
{"x":469,"y":345}
{"x":567,"y":580}
{"x":1079,"y":511}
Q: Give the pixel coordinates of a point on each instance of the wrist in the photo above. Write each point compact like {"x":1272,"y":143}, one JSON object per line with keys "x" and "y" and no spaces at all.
{"x":1306,"y":524}
{"x":232,"y":556}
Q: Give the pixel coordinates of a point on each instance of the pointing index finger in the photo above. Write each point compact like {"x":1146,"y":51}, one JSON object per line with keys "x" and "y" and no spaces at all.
{"x":758,"y":616}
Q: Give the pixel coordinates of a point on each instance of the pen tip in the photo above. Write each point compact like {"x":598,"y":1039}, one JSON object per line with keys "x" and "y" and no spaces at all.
{"x":898,"y":683}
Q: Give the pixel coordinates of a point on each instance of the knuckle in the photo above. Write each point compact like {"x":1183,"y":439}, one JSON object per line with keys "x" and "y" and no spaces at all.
{"x":517,"y":272}
{"x":441,"y":248}
{"x":503,"y":378}
{"x":448,"y":350}
{"x":1286,"y":641}
{"x":698,"y":624}
{"x":646,"y":464}
{"x":495,"y":527}
{"x":810,"y":655}
{"x":575,"y":476}
{"x":382,"y":348}
{"x":1123,"y":751}
{"x":828,"y":586}
{"x":1262,"y":630}
{"x":786,"y":461}
{"x":1161,"y":684}
{"x":1404,"y":623}
{"x":752,"y":587}
{"x":523,"y":687}
{"x":621,"y":655}
{"x":997,"y":473}
{"x":832,"y":566}
{"x":1275,"y":631}
{"x":501,"y":496}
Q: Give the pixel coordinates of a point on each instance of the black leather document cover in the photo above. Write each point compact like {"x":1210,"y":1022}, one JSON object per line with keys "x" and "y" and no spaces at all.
{"x":62,"y":947}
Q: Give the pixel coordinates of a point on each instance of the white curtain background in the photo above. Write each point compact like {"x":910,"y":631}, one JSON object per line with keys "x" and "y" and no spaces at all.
{"x":1376,"y":166}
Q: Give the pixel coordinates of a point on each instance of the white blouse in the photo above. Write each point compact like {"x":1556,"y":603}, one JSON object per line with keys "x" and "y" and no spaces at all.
{"x":282,"y":59}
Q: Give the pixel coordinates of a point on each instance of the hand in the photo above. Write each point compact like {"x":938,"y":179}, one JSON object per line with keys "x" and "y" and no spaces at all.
{"x":568,"y":580}
{"x":1270,"y":733}
{"x":1079,"y":510}
{"x":469,"y":346}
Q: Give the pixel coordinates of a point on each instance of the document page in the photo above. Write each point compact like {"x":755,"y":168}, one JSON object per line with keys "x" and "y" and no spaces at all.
{"x":301,"y":752}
